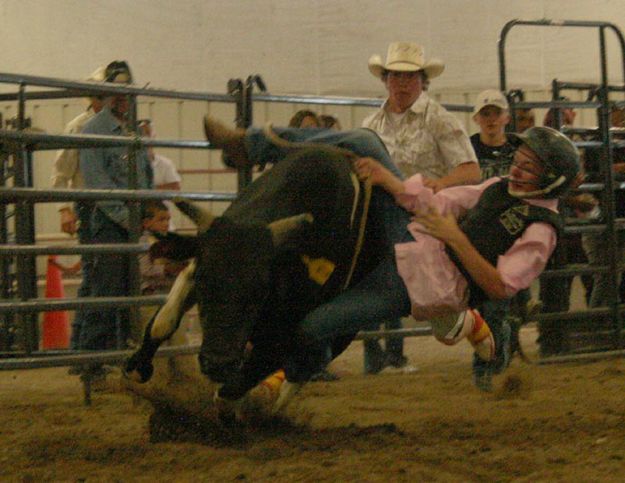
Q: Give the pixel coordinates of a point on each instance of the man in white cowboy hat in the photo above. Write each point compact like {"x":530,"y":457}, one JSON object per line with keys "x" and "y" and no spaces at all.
{"x":421,"y":136}
{"x":66,"y":174}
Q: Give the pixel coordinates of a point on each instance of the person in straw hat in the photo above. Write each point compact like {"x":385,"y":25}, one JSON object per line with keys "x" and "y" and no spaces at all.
{"x":422,"y":138}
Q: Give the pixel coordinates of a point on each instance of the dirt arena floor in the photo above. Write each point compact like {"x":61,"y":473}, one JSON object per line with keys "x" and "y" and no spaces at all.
{"x":542,"y":423}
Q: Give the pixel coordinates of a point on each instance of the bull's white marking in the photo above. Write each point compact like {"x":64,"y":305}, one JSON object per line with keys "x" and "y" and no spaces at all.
{"x":166,"y":320}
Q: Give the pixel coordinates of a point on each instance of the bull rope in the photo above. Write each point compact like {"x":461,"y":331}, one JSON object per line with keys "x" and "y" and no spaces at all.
{"x":361,"y":228}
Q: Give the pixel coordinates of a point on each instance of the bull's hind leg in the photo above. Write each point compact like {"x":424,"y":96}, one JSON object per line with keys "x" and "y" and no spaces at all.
{"x":139,"y":366}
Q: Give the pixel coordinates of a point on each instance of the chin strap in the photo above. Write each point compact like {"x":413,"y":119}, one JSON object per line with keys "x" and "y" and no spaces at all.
{"x":536,"y":193}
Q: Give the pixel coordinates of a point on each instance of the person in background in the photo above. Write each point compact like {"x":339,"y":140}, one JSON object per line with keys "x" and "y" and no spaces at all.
{"x":305,"y":118}
{"x":525,"y":119}
{"x":108,"y":168}
{"x":495,"y":153}
{"x":330,"y":122}
{"x":66,"y":174}
{"x":157,"y":276}
{"x":422,"y":137}
{"x":166,"y":176}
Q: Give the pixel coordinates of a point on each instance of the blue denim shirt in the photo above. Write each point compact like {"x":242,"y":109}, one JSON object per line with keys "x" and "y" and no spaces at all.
{"x":107,"y":168}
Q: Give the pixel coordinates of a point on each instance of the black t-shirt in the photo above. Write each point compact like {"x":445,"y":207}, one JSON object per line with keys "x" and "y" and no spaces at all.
{"x":493,"y":160}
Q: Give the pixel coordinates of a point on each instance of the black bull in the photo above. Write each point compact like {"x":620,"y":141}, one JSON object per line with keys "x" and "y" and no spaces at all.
{"x":252,"y":288}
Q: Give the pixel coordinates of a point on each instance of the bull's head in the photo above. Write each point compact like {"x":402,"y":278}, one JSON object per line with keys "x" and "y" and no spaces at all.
{"x":232,"y":282}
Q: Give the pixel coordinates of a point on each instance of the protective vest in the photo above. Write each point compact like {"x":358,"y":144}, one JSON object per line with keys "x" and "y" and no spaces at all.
{"x":494,"y":224}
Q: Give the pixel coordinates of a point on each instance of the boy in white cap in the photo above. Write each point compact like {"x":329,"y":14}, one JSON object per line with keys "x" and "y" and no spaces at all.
{"x":491,"y":144}
{"x":422,"y":137}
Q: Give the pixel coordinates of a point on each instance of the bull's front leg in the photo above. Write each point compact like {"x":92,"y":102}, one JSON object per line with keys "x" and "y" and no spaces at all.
{"x":139,"y":366}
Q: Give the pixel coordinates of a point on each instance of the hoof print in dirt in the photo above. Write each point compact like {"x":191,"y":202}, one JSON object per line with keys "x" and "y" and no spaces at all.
{"x":167,"y":425}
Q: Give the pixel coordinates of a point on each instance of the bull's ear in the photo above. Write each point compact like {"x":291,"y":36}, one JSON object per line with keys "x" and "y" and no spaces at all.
{"x":202,"y":218}
{"x":281,"y":229}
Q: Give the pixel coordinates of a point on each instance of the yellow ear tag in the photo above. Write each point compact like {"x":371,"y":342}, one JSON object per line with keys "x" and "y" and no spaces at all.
{"x":319,"y":269}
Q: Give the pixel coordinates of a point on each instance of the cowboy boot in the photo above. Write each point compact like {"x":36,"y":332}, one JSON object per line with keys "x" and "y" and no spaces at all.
{"x":231,"y":141}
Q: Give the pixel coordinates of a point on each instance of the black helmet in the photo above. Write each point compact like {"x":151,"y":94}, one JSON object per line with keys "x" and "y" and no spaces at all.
{"x":559,"y":157}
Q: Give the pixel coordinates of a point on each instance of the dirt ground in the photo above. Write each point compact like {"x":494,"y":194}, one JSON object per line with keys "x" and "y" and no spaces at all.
{"x":562,"y":422}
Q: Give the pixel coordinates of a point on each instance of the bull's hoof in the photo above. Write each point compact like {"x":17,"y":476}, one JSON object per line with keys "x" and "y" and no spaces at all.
{"x":138,"y":369}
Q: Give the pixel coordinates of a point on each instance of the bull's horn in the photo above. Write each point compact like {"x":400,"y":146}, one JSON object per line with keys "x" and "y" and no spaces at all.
{"x":280,"y":229}
{"x":202,"y":218}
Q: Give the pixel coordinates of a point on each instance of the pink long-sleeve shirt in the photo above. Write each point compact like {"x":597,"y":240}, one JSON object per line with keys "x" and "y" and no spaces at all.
{"x":434,"y":283}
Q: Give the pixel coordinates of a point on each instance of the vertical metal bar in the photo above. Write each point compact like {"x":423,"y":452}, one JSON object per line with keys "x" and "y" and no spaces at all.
{"x":501,"y":51}
{"x":245,"y":174}
{"x":134,"y":219}
{"x":24,"y":231}
{"x":7,"y":321}
{"x":618,"y":323}
{"x":608,"y":194}
{"x":557,"y":112}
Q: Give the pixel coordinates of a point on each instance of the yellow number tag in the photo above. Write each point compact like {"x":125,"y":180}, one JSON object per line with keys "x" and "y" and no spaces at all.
{"x":319,"y":269}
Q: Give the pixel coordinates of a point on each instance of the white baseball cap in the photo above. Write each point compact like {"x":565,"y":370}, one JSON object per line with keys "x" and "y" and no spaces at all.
{"x":490,"y":97}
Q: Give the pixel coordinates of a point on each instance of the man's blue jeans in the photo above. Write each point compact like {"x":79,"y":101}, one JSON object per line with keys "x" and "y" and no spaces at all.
{"x":106,"y":328}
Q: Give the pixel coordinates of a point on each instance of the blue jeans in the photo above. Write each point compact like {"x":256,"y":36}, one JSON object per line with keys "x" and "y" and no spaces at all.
{"x":381,"y":294}
{"x":106,"y":328}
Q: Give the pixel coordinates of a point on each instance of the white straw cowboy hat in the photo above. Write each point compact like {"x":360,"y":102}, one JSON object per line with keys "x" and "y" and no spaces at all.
{"x":405,"y":57}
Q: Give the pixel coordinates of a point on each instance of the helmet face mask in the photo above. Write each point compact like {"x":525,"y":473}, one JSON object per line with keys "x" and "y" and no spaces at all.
{"x":559,"y":160}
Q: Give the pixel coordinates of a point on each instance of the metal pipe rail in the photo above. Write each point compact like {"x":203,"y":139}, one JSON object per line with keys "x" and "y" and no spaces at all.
{"x":340,"y":101}
{"x":39,"y":141}
{"x":99,"y":88}
{"x":11,"y":195}
{"x":549,"y":23}
{"x":73,"y":358}
{"x":79,"y":358}
{"x":586,"y":86}
{"x":109,"y":248}
{"x":54,"y":305}
{"x":557,"y":104}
